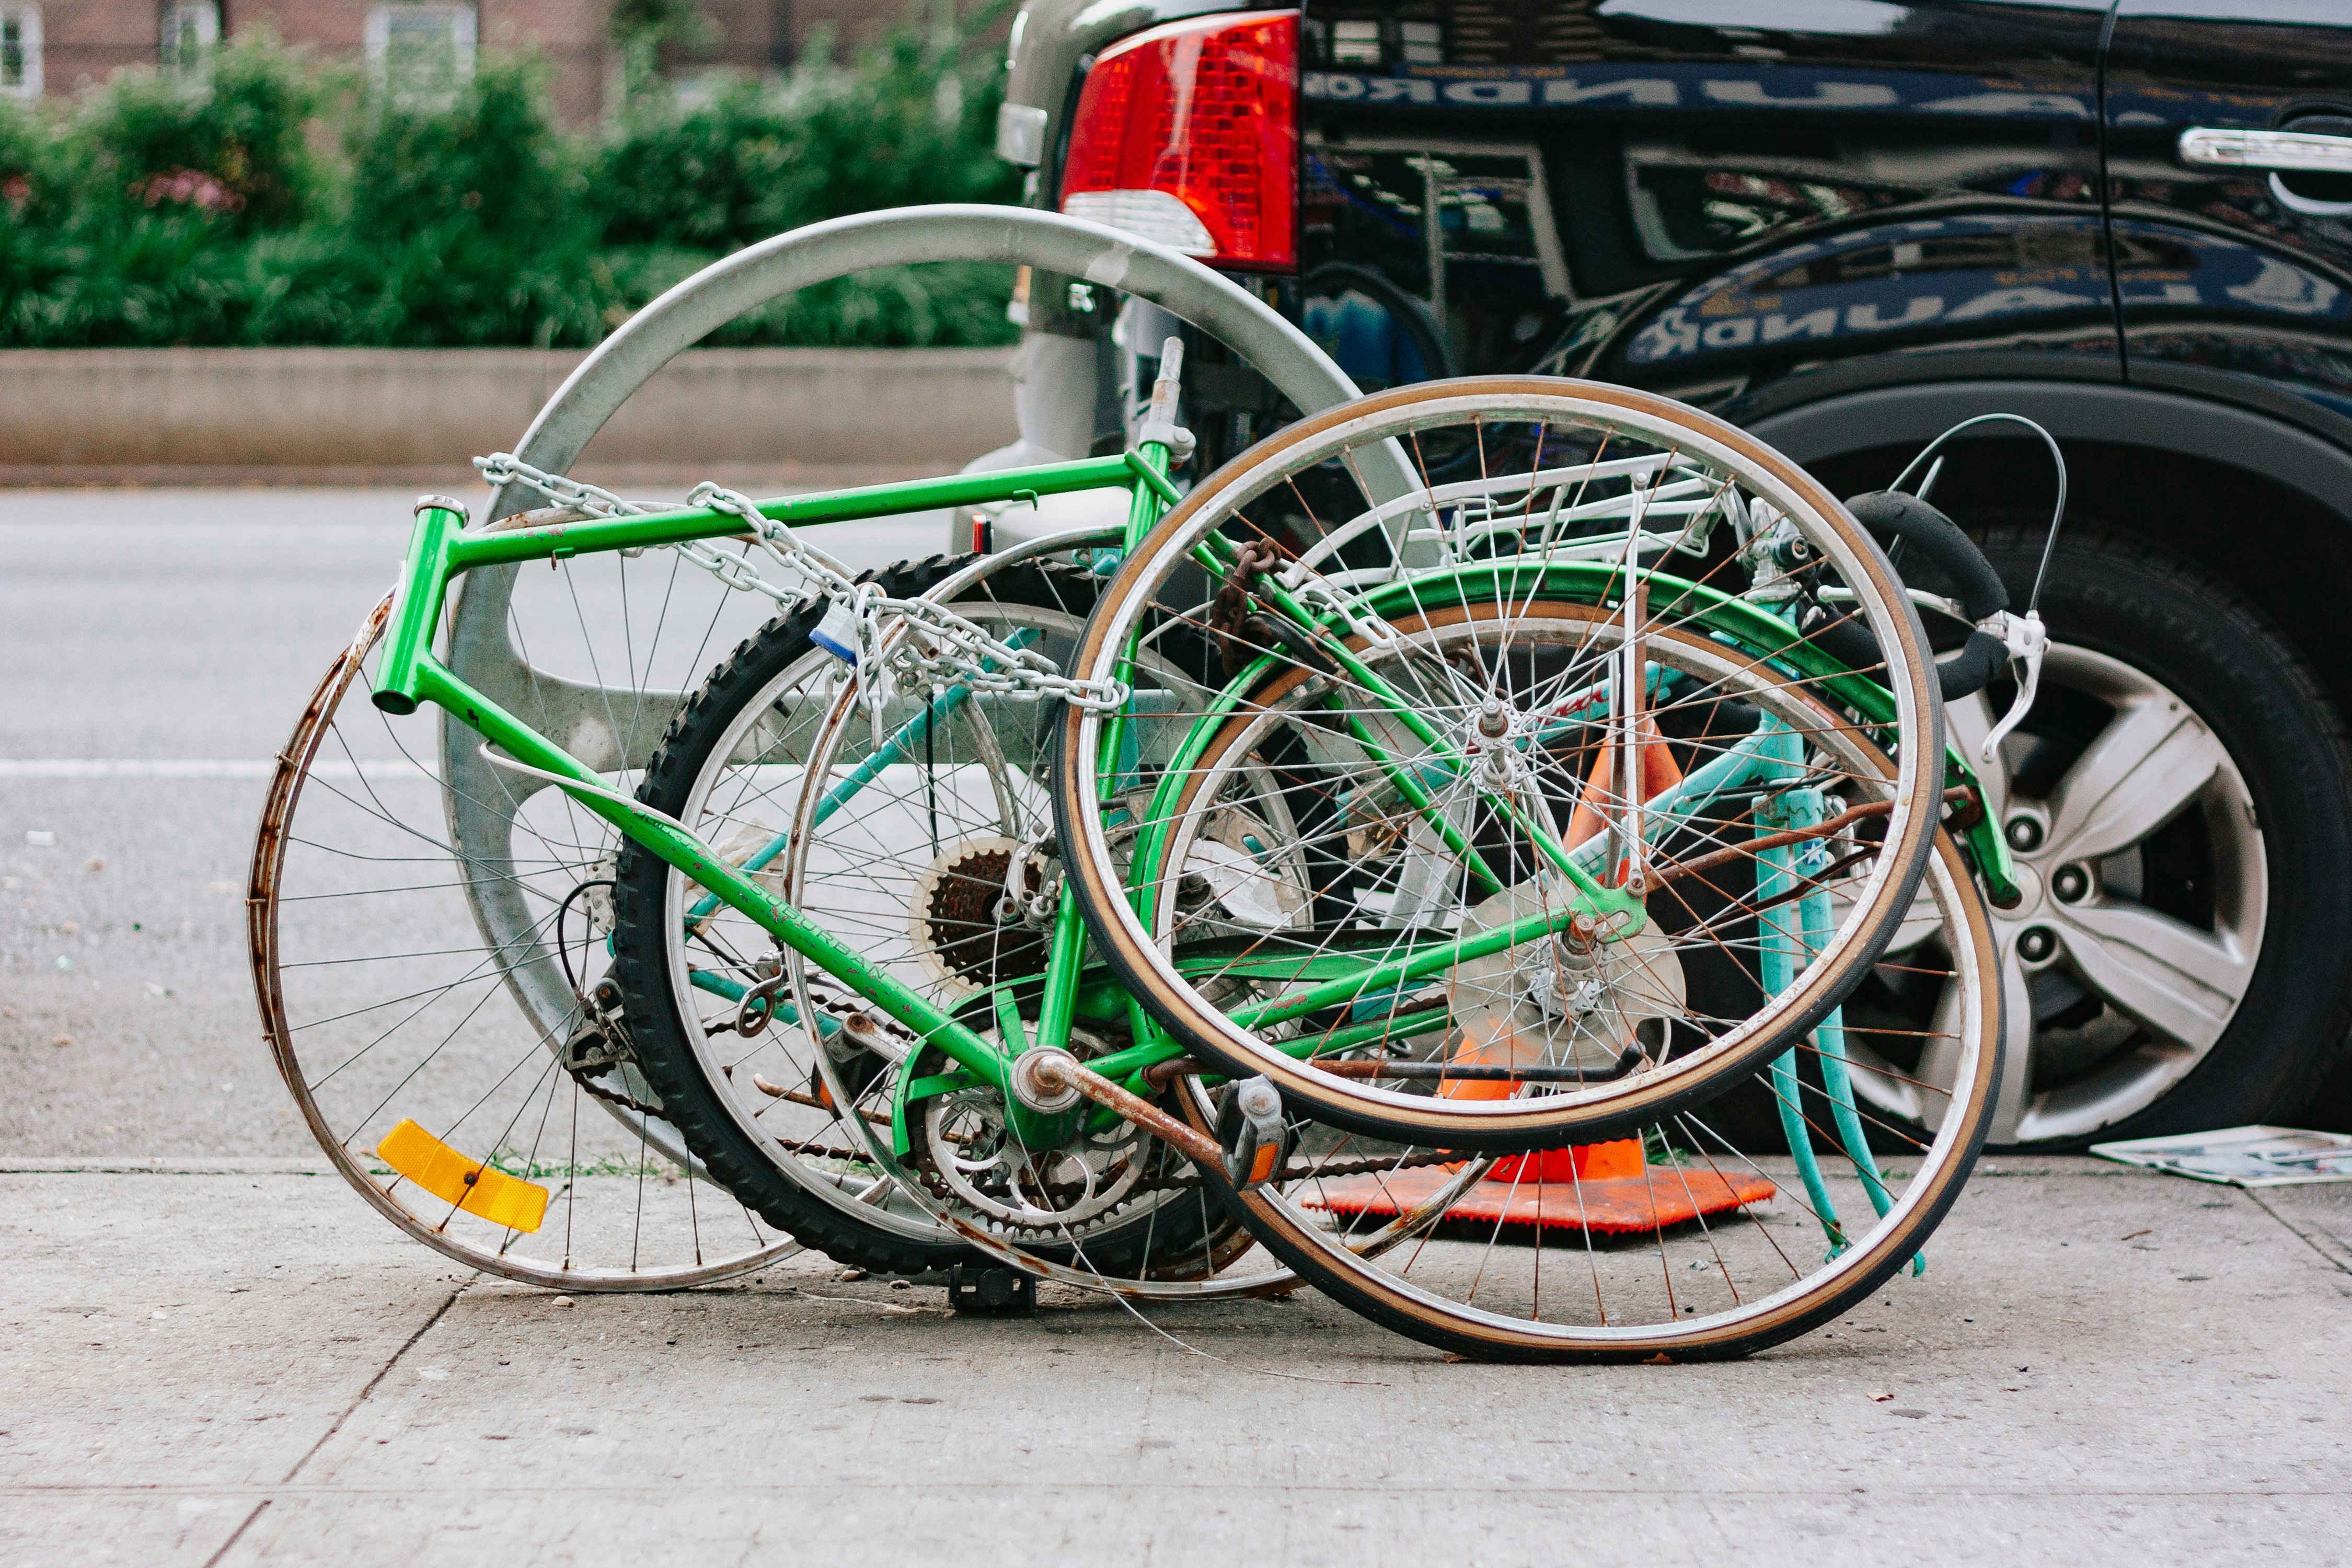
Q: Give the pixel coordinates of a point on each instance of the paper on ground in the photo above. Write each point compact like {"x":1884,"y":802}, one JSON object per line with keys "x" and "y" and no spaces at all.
{"x":2241,"y":1156}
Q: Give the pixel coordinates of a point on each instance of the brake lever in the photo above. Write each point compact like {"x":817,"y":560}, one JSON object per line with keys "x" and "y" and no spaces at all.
{"x":2027,"y":640}
{"x":2024,"y":637}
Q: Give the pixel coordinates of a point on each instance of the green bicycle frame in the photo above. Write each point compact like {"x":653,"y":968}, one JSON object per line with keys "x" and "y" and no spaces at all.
{"x":409,"y":674}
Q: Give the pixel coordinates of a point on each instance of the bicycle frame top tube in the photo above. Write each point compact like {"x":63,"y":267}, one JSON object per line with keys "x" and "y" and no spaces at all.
{"x":440,"y":546}
{"x":408,"y":674}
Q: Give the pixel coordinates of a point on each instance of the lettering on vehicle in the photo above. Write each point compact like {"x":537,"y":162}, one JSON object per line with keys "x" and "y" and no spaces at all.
{"x":1676,"y":86}
{"x":1886,"y":278}
{"x":1662,"y":84}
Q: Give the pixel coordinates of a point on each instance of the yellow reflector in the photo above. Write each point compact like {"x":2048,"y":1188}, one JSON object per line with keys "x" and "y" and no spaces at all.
{"x":461,"y":1180}
{"x":1261,"y":1168}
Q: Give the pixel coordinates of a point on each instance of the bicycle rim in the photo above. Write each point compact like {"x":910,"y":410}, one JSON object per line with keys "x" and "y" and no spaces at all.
{"x":407,"y":1055}
{"x":1600,"y":458}
{"x":1681,"y":1246}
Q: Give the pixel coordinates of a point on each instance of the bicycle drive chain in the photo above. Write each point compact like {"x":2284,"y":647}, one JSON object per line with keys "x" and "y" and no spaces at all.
{"x":1326,"y":1170}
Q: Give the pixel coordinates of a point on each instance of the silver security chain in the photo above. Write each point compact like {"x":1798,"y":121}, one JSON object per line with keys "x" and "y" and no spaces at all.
{"x":734,"y":571}
{"x":946,"y":648}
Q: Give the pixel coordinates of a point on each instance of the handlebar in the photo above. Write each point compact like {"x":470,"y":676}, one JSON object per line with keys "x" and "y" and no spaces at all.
{"x":1891,"y":514}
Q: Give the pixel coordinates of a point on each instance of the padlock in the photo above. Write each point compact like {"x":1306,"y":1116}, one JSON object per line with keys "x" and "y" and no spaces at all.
{"x":836,"y":633}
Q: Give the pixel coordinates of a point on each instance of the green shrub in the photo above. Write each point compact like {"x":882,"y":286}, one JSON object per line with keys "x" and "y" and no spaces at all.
{"x":159,"y":210}
{"x":226,"y":141}
{"x":706,"y":174}
{"x":30,"y":185}
{"x":486,"y":158}
{"x":911,"y":119}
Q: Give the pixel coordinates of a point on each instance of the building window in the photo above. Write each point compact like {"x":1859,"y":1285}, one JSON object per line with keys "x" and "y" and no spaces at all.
{"x":189,"y":28}
{"x":20,"y":52}
{"x":421,"y":50}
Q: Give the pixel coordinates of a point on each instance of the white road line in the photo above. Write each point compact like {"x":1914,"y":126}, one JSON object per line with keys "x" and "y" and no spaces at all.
{"x":197,"y":768}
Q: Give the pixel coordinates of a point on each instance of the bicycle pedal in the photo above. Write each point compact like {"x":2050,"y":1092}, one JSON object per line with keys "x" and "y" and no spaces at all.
{"x":983,"y":1290}
{"x":858,"y":1071}
{"x":1253,"y":1133}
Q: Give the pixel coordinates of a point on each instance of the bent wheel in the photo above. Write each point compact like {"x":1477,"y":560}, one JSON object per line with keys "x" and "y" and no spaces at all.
{"x":466,"y":1121}
{"x":523,"y":858}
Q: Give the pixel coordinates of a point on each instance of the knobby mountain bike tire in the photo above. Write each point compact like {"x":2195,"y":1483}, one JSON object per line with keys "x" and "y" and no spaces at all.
{"x":905,"y":854}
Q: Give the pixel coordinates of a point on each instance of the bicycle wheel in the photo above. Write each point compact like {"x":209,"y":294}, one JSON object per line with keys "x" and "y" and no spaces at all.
{"x":515,"y":1145}
{"x":422,"y":802}
{"x":903,"y":838}
{"x":1437,"y":688}
{"x":1673,"y":1243}
{"x":614,"y":725}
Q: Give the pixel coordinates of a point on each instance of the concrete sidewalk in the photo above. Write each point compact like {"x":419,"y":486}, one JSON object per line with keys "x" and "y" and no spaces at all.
{"x":223,"y":1361}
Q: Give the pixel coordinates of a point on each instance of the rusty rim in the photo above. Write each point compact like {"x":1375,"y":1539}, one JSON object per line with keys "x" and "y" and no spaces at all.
{"x":426,"y":1218}
{"x":1476,"y":1303}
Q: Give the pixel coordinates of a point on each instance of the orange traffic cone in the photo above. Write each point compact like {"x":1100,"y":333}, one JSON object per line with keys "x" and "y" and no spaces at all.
{"x":1660,"y":773}
{"x":1607,"y":1189}
{"x":1488,"y":1042}
{"x":1611,"y":1161}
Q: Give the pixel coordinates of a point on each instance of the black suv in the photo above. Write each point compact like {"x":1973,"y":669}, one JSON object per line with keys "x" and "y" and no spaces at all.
{"x":1847,"y":224}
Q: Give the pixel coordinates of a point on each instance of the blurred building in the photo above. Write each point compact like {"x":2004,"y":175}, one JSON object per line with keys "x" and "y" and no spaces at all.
{"x":53,"y":46}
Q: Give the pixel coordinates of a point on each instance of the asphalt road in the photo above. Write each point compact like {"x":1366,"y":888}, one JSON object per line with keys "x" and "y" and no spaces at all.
{"x":175,"y":633}
{"x":211,"y":1352}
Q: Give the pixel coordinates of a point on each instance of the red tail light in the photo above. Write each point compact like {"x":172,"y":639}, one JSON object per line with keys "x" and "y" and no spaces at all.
{"x":1188,"y":134}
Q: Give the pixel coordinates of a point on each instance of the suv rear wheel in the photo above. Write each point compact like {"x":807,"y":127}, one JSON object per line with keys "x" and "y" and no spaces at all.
{"x":2177,"y":807}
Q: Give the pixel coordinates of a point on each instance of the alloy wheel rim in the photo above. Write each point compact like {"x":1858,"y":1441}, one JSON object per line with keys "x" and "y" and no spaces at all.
{"x":2111,"y":999}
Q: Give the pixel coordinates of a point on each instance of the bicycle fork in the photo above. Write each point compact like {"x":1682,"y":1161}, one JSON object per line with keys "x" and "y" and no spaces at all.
{"x":1793,"y":924}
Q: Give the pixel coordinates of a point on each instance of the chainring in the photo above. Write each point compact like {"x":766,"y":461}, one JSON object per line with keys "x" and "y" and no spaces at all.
{"x":960,"y":1147}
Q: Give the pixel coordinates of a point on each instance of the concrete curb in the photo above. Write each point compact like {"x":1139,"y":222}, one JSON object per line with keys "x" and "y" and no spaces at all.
{"x":356,"y":416}
{"x":166,"y":1165}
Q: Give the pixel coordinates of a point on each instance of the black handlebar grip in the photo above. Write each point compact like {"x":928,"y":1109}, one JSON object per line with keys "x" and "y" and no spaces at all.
{"x":1963,"y":674}
{"x":1980,"y":592}
{"x":1976,"y":585}
{"x":1972,"y":669}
